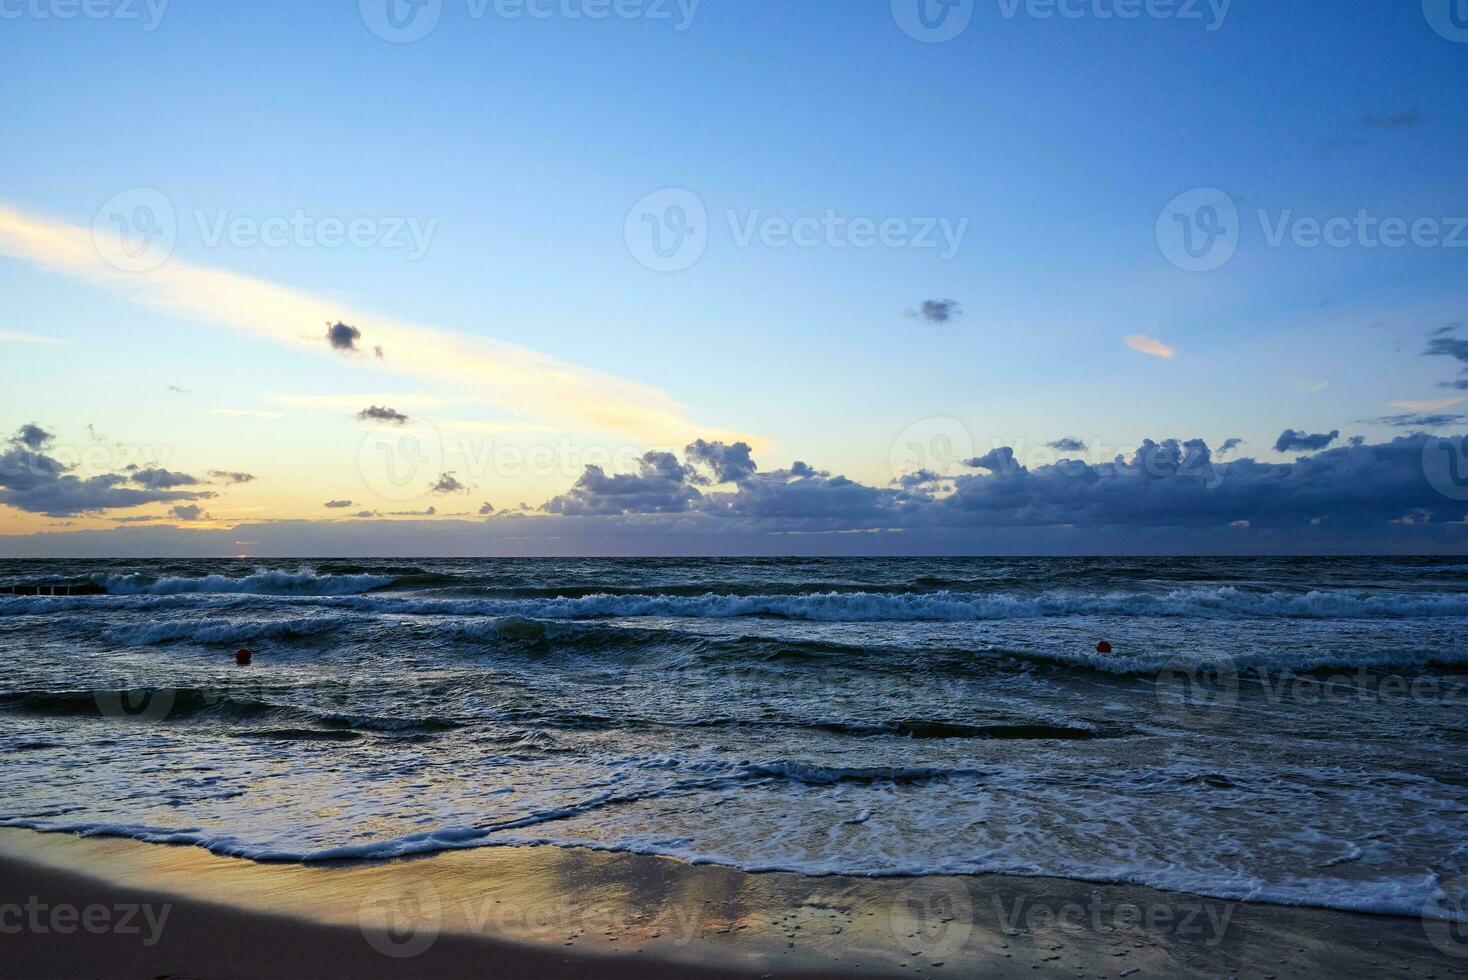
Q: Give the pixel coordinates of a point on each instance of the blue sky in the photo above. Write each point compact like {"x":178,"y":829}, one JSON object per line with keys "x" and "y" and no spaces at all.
{"x":1054,"y":142}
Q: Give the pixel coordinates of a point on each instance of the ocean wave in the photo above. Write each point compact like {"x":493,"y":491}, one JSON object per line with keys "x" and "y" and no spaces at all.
{"x":1219,"y":603}
{"x":265,"y":582}
{"x":226,"y":631}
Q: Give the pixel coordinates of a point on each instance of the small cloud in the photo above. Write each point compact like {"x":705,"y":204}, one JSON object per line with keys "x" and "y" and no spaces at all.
{"x":1230,"y":444}
{"x":414,"y":513}
{"x":1290,"y":440}
{"x":447,"y":483}
{"x":486,"y":509}
{"x":365,"y":513}
{"x":381,"y":413}
{"x":342,"y":337}
{"x":337,"y":504}
{"x":937,"y":310}
{"x":1313,"y":387}
{"x":188,"y":512}
{"x":231,"y":476}
{"x":136,"y":519}
{"x":159,"y":478}
{"x":1429,"y":405}
{"x":11,"y":337}
{"x":32,"y":436}
{"x":1149,"y":345}
{"x":377,"y":351}
{"x":1418,"y":420}
{"x":178,"y":391}
{"x":1068,"y":445}
{"x":1402,"y":120}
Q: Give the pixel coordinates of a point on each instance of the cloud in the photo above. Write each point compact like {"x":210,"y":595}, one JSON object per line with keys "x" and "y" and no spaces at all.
{"x":1313,"y":387}
{"x":1418,"y":420}
{"x":1230,"y":444}
{"x":999,"y":461}
{"x":365,"y":513}
{"x":491,"y":372}
{"x":730,"y":464}
{"x":34,"y":482}
{"x":231,"y":476}
{"x":1444,"y":342}
{"x":12,"y":337}
{"x":337,"y":504}
{"x":1150,"y":345}
{"x":32,"y":436}
{"x":161,"y":478}
{"x":937,"y":310}
{"x":1406,"y":119}
{"x":921,"y":478}
{"x":178,"y":391}
{"x":381,"y":413}
{"x":1430,"y":405}
{"x":485,"y":509}
{"x":414,"y":513}
{"x":1289,"y":440}
{"x":342,"y":337}
{"x":188,"y":512}
{"x":447,"y":483}
{"x":1067,"y":445}
{"x":377,"y":351}
{"x":662,"y":485}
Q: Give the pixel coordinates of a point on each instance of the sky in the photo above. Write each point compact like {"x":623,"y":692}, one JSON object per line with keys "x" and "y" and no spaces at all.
{"x":381,"y":277}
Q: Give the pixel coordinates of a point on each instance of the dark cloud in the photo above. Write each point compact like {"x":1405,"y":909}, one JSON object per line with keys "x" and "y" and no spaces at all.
{"x":999,"y":461}
{"x":1418,"y":420}
{"x":1068,"y":445}
{"x":922,"y":478}
{"x":37,"y":483}
{"x":730,"y":464}
{"x":136,"y":519}
{"x":447,"y":483}
{"x":377,"y":351}
{"x":32,"y":437}
{"x":1230,"y":444}
{"x":1171,"y":483}
{"x":188,"y":512}
{"x":1402,"y":120}
{"x":177,"y":390}
{"x":798,"y":468}
{"x":162,"y":479}
{"x":1444,"y":342}
{"x":937,"y":310}
{"x":337,"y":504}
{"x":365,"y":513}
{"x":414,"y":513}
{"x":381,"y":413}
{"x":342,"y":337}
{"x":486,"y":509}
{"x":231,"y":476}
{"x":1291,"y":441}
{"x":662,"y":485}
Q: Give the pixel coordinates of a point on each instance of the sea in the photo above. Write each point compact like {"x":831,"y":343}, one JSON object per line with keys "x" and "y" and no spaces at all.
{"x":1285,"y":730}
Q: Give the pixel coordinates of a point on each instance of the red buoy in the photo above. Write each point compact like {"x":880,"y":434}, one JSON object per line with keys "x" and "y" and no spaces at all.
{"x":1103,"y":647}
{"x":242,"y":657}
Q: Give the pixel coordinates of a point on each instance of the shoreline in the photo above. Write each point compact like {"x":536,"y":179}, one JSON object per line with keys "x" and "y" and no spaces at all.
{"x":571,"y":912}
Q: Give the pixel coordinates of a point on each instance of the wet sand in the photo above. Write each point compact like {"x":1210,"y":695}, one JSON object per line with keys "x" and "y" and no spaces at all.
{"x":96,"y":907}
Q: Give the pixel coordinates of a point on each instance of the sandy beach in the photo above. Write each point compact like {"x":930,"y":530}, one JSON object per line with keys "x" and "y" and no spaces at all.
{"x":98,"y":907}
